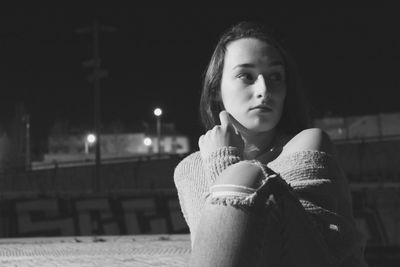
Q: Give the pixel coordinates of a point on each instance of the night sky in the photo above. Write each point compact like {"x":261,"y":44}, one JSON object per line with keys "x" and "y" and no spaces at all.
{"x":348,"y":60}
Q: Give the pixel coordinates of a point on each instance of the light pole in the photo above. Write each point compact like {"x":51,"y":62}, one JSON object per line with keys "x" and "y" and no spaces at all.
{"x":158,"y":113}
{"x":95,"y":77}
{"x":27,"y":142}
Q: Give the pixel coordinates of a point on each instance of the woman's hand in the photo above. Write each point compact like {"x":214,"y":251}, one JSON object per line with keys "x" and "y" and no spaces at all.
{"x":221,"y":135}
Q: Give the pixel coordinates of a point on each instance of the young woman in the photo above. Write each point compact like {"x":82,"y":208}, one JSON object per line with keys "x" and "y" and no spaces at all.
{"x":264,"y":189}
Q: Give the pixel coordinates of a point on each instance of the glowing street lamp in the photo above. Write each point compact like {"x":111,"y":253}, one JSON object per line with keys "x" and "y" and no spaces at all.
{"x":158,"y":113}
{"x":147,"y":141}
{"x":91,"y":138}
{"x":89,"y":141}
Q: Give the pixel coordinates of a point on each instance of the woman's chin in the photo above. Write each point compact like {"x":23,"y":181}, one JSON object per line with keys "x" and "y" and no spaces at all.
{"x":258,"y":124}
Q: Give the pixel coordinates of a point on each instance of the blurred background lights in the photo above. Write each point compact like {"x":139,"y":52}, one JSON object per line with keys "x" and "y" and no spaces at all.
{"x":147,"y":141}
{"x":157,"y":112}
{"x":91,"y":138}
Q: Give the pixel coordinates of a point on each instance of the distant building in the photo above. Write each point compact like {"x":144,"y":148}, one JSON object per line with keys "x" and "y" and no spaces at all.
{"x":75,"y":147}
{"x":367,"y":128}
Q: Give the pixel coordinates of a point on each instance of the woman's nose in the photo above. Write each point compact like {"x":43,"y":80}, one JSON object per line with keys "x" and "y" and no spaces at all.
{"x":262,"y":90}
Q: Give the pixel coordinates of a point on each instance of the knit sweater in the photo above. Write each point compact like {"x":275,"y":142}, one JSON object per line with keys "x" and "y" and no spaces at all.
{"x":316,"y":179}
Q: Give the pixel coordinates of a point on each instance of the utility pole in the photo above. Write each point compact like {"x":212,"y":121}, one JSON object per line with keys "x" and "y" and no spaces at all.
{"x":26,"y":121}
{"x":95,"y":77}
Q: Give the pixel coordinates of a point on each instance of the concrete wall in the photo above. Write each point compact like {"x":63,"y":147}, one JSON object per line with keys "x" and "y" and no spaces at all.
{"x":155,"y":212}
{"x":371,"y":161}
{"x":136,"y":173}
{"x":361,"y":127}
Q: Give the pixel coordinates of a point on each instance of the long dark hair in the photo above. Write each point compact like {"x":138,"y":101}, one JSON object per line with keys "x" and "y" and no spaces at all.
{"x":295,"y":115}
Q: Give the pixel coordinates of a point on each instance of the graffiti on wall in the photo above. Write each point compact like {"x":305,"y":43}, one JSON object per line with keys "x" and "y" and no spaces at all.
{"x":376,"y":215}
{"x":92,"y":216}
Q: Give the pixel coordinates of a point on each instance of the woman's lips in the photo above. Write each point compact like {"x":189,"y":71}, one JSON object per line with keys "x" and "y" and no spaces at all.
{"x":262,"y":108}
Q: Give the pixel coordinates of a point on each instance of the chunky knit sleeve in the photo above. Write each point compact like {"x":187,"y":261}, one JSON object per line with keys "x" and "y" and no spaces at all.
{"x":190,"y":182}
{"x":322,"y":188}
{"x":193,"y":178}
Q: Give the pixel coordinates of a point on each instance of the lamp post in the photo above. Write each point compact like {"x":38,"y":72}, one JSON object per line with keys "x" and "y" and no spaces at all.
{"x":147,"y":142}
{"x":89,"y":141}
{"x":28,"y":142}
{"x":158,"y":113}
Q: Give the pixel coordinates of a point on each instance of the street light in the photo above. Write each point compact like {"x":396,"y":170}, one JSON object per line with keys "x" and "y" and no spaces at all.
{"x":147,"y":141}
{"x":158,"y":113}
{"x":89,"y":141}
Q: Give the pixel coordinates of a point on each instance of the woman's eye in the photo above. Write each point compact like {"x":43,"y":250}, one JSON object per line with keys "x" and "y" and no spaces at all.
{"x":276,"y":77}
{"x":246,"y":77}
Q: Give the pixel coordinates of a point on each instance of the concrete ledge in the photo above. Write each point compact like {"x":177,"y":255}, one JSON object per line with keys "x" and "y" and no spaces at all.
{"x":133,"y":250}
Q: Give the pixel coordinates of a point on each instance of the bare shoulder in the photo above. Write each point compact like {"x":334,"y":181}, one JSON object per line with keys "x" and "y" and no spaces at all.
{"x":310,"y":139}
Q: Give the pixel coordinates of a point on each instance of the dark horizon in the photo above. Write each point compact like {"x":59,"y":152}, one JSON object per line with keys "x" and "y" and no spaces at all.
{"x":347,"y":60}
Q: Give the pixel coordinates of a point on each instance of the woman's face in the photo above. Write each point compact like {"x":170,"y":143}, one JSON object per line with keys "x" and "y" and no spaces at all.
{"x":253,"y":85}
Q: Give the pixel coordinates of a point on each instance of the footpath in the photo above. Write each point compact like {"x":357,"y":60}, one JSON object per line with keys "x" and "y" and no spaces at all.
{"x":130,"y":250}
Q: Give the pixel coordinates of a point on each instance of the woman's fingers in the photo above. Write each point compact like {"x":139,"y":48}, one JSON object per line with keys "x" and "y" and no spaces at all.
{"x":229,"y":122}
{"x":220,"y":136}
{"x":201,"y":140}
{"x":224,"y":118}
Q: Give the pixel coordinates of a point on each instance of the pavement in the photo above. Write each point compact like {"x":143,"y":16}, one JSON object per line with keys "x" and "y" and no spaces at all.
{"x":132,"y":250}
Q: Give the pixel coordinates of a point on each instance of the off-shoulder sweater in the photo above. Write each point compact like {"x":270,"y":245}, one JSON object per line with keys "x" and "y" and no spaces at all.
{"x":316,"y":179}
